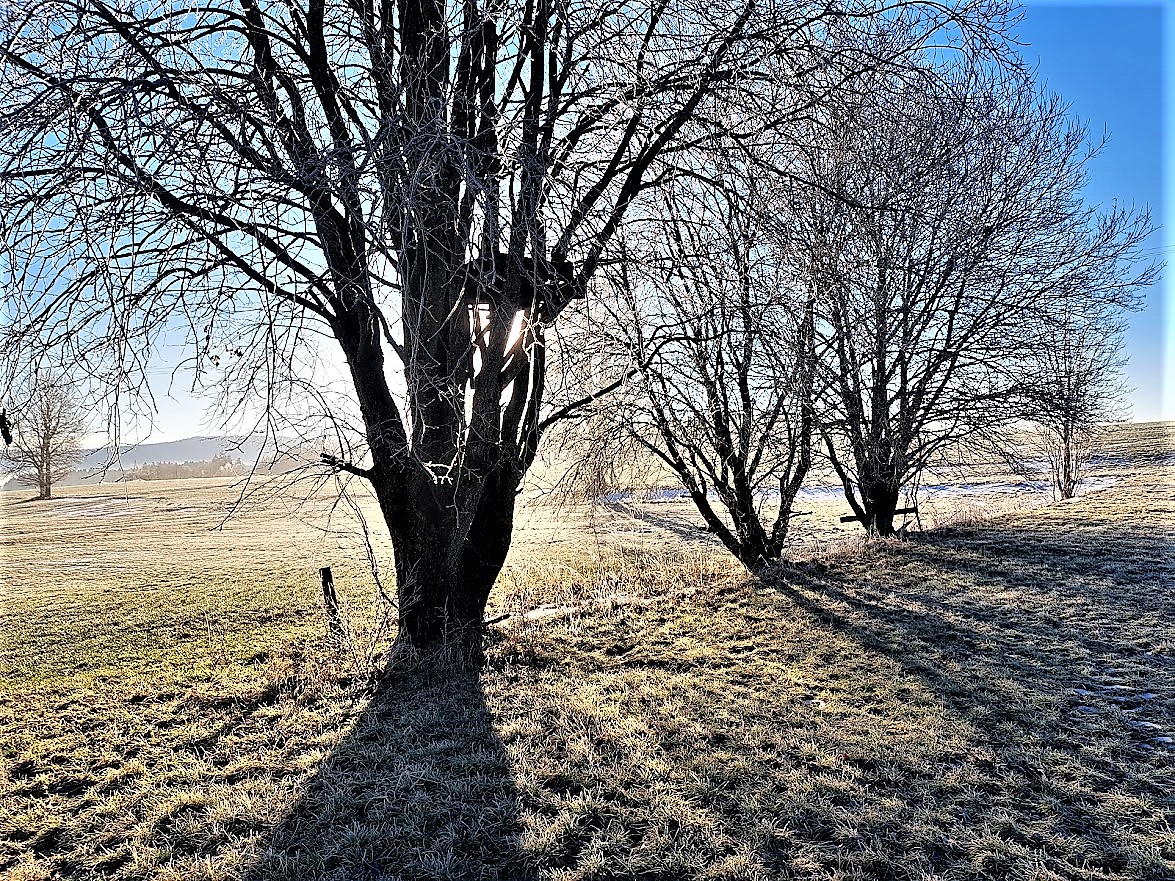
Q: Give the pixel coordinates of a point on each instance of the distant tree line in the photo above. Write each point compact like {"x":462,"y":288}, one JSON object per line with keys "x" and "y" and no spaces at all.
{"x":219,"y":466}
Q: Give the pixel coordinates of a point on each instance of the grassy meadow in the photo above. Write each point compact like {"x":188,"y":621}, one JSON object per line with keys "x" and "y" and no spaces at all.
{"x":990,"y":699}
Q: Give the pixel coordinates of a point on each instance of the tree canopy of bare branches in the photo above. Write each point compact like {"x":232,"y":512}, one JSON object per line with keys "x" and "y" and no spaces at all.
{"x":1073,"y":386}
{"x":718,"y":342}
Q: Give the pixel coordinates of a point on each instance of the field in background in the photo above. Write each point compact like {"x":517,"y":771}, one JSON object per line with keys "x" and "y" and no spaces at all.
{"x":992,"y":699}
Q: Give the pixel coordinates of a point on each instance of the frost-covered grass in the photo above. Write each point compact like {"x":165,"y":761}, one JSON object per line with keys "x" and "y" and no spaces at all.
{"x":988,"y":701}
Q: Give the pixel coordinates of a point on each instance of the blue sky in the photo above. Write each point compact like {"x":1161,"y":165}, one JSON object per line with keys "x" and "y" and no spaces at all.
{"x":1111,"y":62}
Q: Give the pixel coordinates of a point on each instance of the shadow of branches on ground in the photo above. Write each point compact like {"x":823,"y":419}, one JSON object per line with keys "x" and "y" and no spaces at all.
{"x":1061,"y":663}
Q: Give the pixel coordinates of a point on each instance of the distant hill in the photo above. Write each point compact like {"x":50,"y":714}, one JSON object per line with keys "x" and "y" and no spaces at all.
{"x":98,"y":466}
{"x":190,"y":449}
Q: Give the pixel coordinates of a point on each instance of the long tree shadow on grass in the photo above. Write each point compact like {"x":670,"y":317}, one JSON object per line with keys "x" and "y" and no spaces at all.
{"x":421,"y":787}
{"x":1055,"y":646}
{"x":1036,"y":609}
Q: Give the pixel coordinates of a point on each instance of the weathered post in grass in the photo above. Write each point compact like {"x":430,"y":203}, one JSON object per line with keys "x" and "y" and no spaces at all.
{"x":331,"y":599}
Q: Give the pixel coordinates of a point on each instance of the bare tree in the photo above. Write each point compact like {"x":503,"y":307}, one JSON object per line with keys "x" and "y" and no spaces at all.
{"x":717,"y":349}
{"x":1072,"y":387}
{"x":423,"y":185}
{"x":48,"y":427}
{"x":951,"y":217}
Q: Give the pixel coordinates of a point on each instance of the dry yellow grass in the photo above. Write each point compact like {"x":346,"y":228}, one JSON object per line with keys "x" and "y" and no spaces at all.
{"x":987,"y":701}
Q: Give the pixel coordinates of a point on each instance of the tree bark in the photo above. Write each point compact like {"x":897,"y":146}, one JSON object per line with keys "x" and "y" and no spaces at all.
{"x":881,"y":500}
{"x":445,"y":568}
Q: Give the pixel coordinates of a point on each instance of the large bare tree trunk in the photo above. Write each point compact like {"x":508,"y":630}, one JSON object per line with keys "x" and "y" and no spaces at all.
{"x":881,"y":501}
{"x":450,"y":532}
{"x":444,"y":568}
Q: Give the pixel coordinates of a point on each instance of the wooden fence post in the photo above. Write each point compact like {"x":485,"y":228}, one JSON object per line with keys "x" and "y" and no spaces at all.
{"x":334,"y":620}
